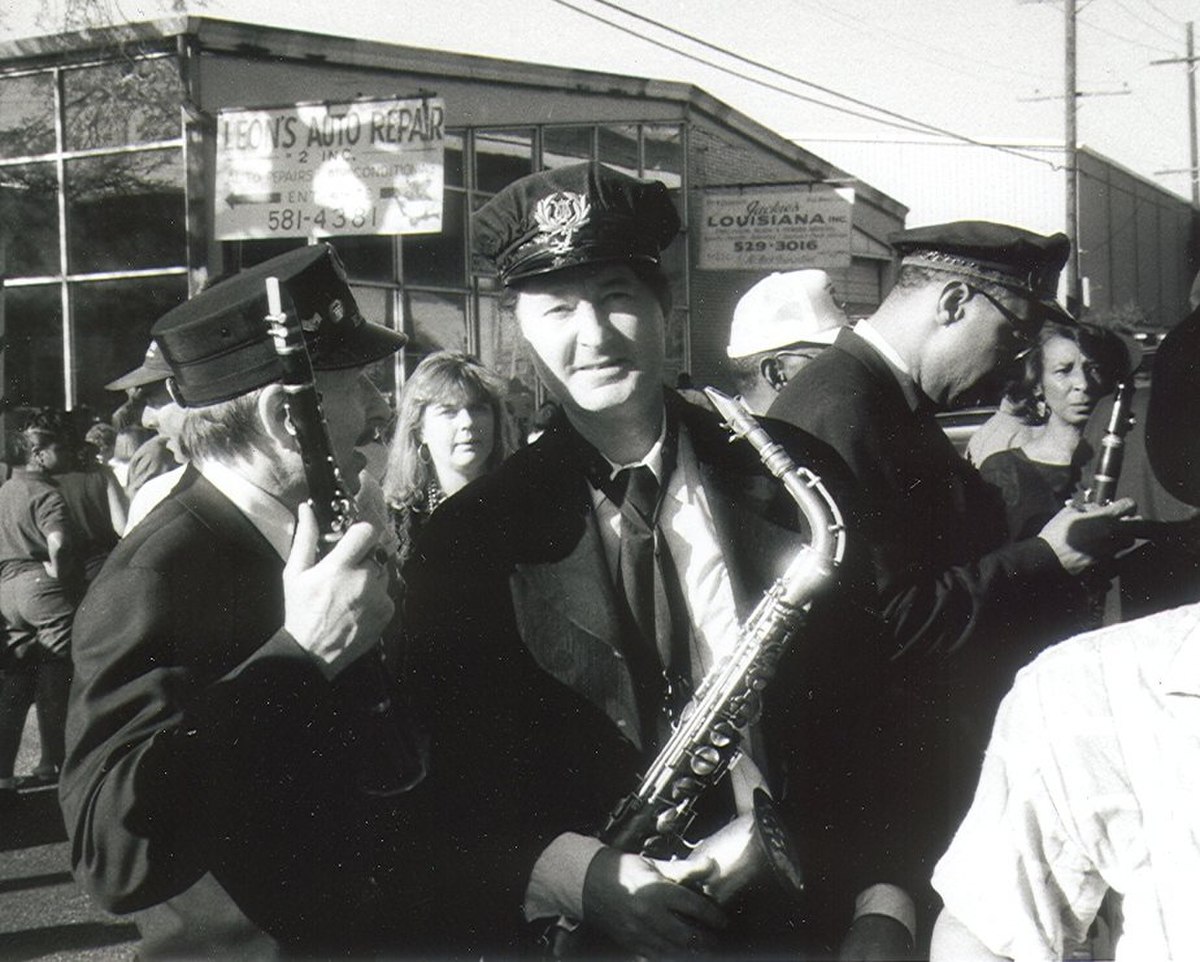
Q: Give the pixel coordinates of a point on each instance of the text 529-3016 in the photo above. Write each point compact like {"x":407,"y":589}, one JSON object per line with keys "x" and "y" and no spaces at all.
{"x":326,"y":218}
{"x":742,"y":247}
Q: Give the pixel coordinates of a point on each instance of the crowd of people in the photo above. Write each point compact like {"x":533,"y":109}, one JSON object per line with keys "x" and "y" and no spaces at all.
{"x":399,"y":724}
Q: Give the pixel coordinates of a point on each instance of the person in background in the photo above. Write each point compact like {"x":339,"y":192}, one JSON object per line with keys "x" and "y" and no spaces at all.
{"x":215,"y":782}
{"x":1089,"y":785}
{"x":159,"y":413}
{"x":1064,"y":376}
{"x":39,"y":590}
{"x":103,"y":439}
{"x":1006,"y":428}
{"x":779,"y":325}
{"x":969,"y":297}
{"x":542,"y":419}
{"x":128,"y":440}
{"x":452,"y":427}
{"x":97,"y":504}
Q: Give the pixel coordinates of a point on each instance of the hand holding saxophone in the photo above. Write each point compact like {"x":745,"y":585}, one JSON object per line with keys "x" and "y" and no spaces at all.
{"x":651,"y":907}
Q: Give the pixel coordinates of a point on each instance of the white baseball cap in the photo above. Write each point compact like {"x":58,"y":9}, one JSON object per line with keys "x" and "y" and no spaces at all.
{"x":796,"y":307}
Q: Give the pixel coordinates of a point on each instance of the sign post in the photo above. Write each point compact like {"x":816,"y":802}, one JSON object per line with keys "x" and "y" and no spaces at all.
{"x":316,"y":170}
{"x":775,"y":227}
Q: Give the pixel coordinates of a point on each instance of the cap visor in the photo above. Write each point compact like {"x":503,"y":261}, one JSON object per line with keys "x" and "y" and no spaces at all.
{"x":137,"y":377}
{"x":368,"y":344}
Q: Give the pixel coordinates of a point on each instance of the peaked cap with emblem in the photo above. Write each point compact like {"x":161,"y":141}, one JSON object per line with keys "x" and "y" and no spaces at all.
{"x":570,"y":216}
{"x":217,"y":343}
{"x":1016,"y":259}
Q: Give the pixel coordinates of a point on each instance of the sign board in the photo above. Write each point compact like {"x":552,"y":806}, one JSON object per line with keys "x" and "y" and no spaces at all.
{"x":785,"y":227}
{"x":314,"y":170}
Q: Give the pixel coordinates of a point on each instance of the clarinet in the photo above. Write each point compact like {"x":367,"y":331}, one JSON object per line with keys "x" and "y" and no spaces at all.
{"x":1112,"y":447}
{"x":707,"y":740}
{"x":388,"y":761}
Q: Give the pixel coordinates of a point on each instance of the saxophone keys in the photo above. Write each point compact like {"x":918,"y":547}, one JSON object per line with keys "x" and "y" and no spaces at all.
{"x":685,"y":788}
{"x":723,"y":735}
{"x":705,"y":760}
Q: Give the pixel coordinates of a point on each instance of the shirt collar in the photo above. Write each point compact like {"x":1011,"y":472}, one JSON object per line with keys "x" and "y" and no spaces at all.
{"x":912,"y":393}
{"x":653,"y":458}
{"x":272,"y":519}
{"x":1182,"y":674}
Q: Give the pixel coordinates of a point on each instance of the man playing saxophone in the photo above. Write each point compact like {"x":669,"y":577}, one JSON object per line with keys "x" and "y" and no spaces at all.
{"x":561,"y":610}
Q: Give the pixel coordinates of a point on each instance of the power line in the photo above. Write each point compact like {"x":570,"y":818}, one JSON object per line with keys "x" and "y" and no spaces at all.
{"x":1145,"y":23}
{"x":906,"y":123}
{"x":1162,"y":13}
{"x":1117,"y":36}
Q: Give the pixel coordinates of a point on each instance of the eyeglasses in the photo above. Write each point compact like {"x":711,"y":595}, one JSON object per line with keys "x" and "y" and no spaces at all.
{"x":1023,"y":330}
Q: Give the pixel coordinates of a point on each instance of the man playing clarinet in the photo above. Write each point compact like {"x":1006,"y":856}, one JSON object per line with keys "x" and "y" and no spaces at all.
{"x":210,"y":786}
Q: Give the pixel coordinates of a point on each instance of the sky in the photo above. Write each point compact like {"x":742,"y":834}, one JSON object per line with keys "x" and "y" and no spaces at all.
{"x":982,"y":69}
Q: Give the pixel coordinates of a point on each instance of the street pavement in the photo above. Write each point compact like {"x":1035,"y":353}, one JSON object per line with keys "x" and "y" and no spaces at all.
{"x":43,"y":913}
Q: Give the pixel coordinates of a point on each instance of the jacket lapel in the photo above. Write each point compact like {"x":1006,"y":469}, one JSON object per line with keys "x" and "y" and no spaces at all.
{"x":565,"y":602}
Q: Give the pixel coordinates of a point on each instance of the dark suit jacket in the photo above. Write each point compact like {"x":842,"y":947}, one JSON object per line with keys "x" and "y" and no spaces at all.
{"x":515,"y":651}
{"x":952,"y":596}
{"x":206,"y":786}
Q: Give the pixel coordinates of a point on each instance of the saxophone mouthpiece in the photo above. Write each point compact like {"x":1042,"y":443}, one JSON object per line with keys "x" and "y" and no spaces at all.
{"x":738,"y":418}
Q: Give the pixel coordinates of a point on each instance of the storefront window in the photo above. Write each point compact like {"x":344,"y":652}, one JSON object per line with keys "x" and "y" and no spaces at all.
{"x":366,"y":258}
{"x":120,"y":103}
{"x":126,"y":211}
{"x":619,"y":147}
{"x":436,"y":322}
{"x":28,"y":220}
{"x":562,"y":146}
{"x":453,"y":159}
{"x":112,"y":321}
{"x":375,"y":304}
{"x":502,"y":349}
{"x":439,"y":260}
{"x":32,"y":360}
{"x":502,"y":156}
{"x":662,"y":145}
{"x":27,"y":115}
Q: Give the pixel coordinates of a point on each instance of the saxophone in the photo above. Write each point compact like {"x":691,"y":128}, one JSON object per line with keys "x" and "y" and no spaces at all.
{"x":707,"y":739}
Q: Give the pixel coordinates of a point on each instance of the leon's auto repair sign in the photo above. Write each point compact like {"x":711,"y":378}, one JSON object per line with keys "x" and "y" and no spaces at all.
{"x":775,"y":228}
{"x":314,"y":170}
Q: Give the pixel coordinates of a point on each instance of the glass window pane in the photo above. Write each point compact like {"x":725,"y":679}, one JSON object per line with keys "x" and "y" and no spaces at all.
{"x":619,"y":147}
{"x":502,"y":156}
{"x":127,"y":102}
{"x":439,"y":259}
{"x":366,"y":258}
{"x":453,"y":145}
{"x":675,"y":337}
{"x":562,"y":146}
{"x":126,"y":211}
{"x":28,"y":220}
{"x":502,"y":349}
{"x":435,"y":322}
{"x":32,"y":360}
{"x":26,"y":115}
{"x":112,"y":321}
{"x":663,"y":146}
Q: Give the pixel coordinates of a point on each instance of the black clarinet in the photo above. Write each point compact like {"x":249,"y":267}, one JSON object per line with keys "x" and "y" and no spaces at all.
{"x":1112,"y":447}
{"x":387,"y":759}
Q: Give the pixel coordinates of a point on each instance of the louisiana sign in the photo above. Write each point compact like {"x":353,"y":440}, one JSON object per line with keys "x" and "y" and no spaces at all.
{"x":775,"y":228}
{"x":315,"y":170}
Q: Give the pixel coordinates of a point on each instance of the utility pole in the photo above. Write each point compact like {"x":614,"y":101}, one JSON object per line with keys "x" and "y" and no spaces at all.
{"x":1070,"y":94}
{"x":1194,"y":144}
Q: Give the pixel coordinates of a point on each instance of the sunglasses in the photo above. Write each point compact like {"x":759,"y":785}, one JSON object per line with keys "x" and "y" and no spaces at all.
{"x":1023,"y":330}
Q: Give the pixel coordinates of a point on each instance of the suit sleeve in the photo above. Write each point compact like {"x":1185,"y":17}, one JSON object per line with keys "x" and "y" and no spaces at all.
{"x":159,"y":783}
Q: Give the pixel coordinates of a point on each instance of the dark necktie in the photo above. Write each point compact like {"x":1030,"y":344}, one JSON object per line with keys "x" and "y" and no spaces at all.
{"x":657,"y":608}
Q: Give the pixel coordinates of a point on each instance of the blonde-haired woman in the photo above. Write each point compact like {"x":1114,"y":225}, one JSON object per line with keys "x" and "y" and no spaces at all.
{"x":452,"y":427}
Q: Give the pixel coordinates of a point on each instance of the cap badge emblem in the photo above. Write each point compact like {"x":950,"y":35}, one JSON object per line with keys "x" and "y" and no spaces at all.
{"x":311,"y":325}
{"x":336,"y":310}
{"x":558,"y":217}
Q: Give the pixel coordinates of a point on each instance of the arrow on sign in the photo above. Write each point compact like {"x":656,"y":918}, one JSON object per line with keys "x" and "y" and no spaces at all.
{"x":234,"y":199}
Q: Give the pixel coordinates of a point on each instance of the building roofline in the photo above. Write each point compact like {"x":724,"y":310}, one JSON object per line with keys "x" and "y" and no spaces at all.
{"x":215,"y":34}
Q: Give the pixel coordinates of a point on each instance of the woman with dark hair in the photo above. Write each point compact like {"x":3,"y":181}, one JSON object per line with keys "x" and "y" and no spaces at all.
{"x":452,"y":427}
{"x":1065,"y":375}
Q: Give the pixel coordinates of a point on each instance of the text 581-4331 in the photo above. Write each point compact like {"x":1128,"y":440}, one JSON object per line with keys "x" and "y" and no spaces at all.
{"x":324,"y":218}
